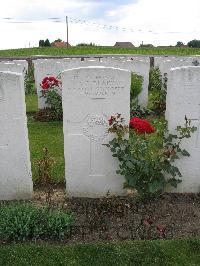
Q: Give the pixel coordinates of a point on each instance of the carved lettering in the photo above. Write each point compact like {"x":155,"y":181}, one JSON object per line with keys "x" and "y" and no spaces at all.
{"x":98,"y":86}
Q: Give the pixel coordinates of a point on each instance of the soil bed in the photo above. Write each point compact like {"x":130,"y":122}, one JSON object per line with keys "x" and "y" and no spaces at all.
{"x":127,"y":218}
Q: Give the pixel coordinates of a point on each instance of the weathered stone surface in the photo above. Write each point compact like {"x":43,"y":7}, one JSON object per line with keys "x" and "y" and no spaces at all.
{"x":138,"y":65}
{"x":15,"y":167}
{"x":90,"y":96}
{"x":183,"y":99}
{"x":19,"y":66}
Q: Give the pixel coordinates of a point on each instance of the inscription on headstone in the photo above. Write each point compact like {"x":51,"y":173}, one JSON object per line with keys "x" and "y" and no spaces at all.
{"x":90,"y":96}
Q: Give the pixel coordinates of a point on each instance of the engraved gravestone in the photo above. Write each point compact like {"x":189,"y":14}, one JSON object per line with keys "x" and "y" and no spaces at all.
{"x":183,"y":99}
{"x":90,"y":96}
{"x":15,"y":169}
{"x":140,"y":66}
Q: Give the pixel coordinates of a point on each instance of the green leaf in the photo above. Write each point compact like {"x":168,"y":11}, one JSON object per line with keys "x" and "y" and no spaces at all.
{"x":131,"y":180}
{"x":185,"y":153}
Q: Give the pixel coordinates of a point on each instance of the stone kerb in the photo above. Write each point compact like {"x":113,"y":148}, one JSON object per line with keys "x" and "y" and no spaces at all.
{"x":90,"y":96}
{"x":183,"y":99}
{"x":15,"y":174}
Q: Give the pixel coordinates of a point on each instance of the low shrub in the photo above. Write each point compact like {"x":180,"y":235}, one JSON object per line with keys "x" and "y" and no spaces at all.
{"x":25,"y":221}
{"x":50,"y":92}
{"x":158,"y":89}
{"x":138,"y":111}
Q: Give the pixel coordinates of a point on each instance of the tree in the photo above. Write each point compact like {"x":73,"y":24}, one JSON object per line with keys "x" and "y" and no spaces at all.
{"x":194,"y":44}
{"x":179,"y":44}
{"x":44,"y":43}
{"x":58,"y":40}
{"x":47,"y":43}
{"x":41,"y":43}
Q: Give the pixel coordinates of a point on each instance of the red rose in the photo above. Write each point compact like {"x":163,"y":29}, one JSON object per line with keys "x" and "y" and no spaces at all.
{"x":49,"y":82}
{"x":45,"y":86}
{"x":45,"y":80}
{"x":141,"y":126}
{"x":110,"y":120}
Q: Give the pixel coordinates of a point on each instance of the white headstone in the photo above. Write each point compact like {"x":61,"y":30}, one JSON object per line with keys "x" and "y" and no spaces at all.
{"x":168,"y":62}
{"x":13,"y":66}
{"x":183,"y":99}
{"x":54,"y":67}
{"x":140,"y":66}
{"x":15,"y":167}
{"x":90,"y":96}
{"x":42,"y":69}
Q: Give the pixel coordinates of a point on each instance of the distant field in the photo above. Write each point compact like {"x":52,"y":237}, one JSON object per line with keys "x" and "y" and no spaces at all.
{"x":98,"y":50}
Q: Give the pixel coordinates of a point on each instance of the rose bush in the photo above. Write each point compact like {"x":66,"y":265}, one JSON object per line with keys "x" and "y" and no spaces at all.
{"x":148,"y":154}
{"x":51,"y":92}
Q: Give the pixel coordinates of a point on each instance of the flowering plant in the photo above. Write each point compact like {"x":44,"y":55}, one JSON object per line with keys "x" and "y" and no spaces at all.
{"x":141,"y":126}
{"x":147,"y":154}
{"x":51,"y":91}
{"x":49,"y":83}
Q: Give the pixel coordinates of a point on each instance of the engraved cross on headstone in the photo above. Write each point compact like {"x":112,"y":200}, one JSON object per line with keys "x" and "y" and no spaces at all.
{"x":95,"y":129}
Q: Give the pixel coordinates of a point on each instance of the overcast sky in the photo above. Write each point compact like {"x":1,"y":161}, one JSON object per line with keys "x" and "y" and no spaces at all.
{"x":103,"y":22}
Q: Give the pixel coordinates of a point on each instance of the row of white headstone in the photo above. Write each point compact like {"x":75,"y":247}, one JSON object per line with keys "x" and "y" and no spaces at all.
{"x":52,"y":67}
{"x":90,"y":96}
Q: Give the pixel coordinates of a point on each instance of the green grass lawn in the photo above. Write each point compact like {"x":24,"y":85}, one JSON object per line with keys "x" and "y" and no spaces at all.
{"x":50,"y":135}
{"x":45,"y":134}
{"x":31,"y":103}
{"x":136,"y":253}
{"x":98,"y":50}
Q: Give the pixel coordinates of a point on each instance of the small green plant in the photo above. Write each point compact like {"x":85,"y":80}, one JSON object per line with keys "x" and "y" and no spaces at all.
{"x":45,"y":166}
{"x":51,"y":92}
{"x":138,"y":111}
{"x":29,"y":81}
{"x":155,"y":79}
{"x":148,"y":154}
{"x":136,"y":85}
{"x":158,"y":88}
{"x":25,"y":221}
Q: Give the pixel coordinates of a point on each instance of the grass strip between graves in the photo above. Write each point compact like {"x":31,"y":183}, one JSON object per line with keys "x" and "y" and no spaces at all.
{"x":47,"y":135}
{"x":169,"y":252}
{"x":31,"y":103}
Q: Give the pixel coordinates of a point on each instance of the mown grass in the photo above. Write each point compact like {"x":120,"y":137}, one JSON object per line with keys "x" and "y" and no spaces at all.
{"x":45,"y":134}
{"x":31,"y":103}
{"x":50,"y":135}
{"x":171,"y":252}
{"x":89,"y":50}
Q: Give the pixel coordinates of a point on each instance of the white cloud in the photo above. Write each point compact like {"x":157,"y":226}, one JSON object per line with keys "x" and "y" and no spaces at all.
{"x":158,"y":16}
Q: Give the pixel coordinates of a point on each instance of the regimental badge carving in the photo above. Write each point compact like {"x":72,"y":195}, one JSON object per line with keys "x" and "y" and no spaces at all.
{"x":96,"y":127}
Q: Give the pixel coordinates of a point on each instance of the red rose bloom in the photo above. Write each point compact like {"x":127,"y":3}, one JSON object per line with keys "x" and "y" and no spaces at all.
{"x":49,"y":82}
{"x":141,"y":126}
{"x":110,"y":121}
{"x":45,"y":80}
{"x":45,"y":86}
